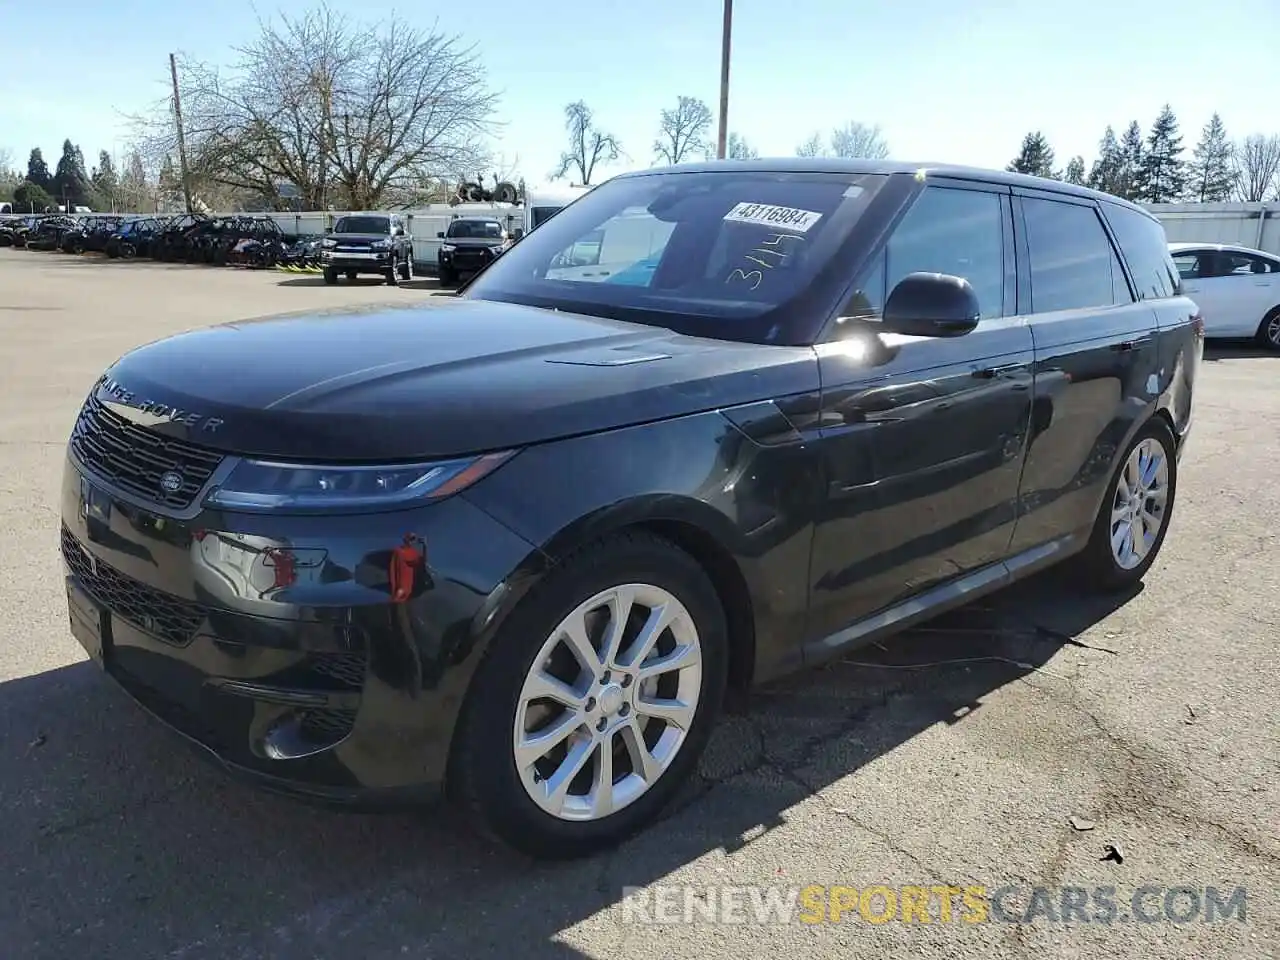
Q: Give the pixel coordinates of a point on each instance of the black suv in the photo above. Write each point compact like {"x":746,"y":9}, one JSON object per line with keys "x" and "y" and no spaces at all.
{"x":368,"y":243}
{"x":469,"y":245}
{"x":517,"y":545}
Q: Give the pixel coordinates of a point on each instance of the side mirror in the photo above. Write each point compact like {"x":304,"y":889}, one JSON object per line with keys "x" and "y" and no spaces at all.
{"x":439,"y":234}
{"x":931,"y":305}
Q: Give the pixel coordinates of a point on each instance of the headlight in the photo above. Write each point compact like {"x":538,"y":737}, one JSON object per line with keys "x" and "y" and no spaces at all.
{"x":262,"y":485}
{"x":380,"y":244}
{"x":328,"y":243}
{"x":447,"y":248}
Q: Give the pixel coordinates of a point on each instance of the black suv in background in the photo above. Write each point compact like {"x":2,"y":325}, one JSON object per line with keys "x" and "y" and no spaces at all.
{"x":517,"y":544}
{"x":469,"y":245}
{"x":368,"y":243}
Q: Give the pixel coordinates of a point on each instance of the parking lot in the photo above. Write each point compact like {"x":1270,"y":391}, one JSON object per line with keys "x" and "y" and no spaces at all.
{"x":1008,"y":744}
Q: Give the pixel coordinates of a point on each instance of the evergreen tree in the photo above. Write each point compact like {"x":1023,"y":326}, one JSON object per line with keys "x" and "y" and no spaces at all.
{"x":1211,"y":174}
{"x":105,"y":183}
{"x":1035,"y":157}
{"x":38,"y":171}
{"x":70,"y":181}
{"x":1075,"y":171}
{"x":133,"y":185}
{"x":1108,"y":169}
{"x":1162,"y":174}
{"x":1128,"y":181}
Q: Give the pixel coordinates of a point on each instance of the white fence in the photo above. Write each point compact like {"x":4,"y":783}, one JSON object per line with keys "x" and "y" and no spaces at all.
{"x":1254,"y":225}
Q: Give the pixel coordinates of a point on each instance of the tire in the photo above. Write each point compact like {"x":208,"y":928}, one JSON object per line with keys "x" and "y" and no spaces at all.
{"x":330,"y":275}
{"x":484,"y":779}
{"x":406,"y":270}
{"x":1099,"y":566}
{"x":351,"y":275}
{"x":393,"y":273}
{"x":447,"y":277}
{"x":1269,"y":330}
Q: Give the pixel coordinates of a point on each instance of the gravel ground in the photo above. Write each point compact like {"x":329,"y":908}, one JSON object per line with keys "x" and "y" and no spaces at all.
{"x":957,"y":757}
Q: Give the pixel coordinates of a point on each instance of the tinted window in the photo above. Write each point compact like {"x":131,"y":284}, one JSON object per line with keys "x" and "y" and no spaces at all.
{"x":1073,"y":266}
{"x":475,"y":230}
{"x":1146,"y":249}
{"x":958,"y":232}
{"x":710,"y":253}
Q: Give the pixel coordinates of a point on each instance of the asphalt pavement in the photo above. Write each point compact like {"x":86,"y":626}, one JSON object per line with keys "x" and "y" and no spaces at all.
{"x":1041,"y":741}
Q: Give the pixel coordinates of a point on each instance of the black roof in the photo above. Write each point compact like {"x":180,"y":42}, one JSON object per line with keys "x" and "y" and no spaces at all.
{"x":889,"y":167}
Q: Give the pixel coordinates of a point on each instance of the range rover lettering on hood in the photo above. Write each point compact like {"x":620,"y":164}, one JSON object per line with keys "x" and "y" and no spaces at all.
{"x":150,"y":413}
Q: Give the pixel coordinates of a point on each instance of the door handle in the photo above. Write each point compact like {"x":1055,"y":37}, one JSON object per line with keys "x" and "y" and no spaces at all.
{"x":990,"y":373}
{"x":1124,"y":346}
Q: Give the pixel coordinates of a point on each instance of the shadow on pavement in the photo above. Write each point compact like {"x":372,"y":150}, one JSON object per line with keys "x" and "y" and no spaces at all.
{"x":1237,"y":350}
{"x":119,"y":842}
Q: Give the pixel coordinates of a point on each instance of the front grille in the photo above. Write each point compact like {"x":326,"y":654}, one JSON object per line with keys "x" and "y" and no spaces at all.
{"x":160,"y":614}
{"x":471,"y":259}
{"x":135,"y":458}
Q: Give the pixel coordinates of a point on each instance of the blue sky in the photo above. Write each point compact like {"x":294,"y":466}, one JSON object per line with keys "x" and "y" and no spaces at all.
{"x":947,"y":80}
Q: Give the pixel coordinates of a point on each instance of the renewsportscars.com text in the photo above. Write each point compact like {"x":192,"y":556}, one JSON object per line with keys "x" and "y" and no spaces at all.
{"x":878,"y":904}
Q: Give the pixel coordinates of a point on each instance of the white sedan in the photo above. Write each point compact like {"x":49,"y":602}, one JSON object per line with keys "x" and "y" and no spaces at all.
{"x":1237,"y":289}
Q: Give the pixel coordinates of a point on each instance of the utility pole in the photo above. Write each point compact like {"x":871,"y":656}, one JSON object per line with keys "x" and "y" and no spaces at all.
{"x":182,"y":140}
{"x":723,"y":138}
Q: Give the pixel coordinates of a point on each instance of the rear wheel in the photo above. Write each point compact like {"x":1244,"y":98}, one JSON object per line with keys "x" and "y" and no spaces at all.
{"x":1269,"y":330}
{"x":330,"y":275}
{"x":1135,"y":513}
{"x":351,"y":274}
{"x":595,"y":701}
{"x":406,"y":269}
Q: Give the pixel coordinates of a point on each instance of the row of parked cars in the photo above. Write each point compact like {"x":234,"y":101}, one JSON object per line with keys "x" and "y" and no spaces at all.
{"x":242,"y":240}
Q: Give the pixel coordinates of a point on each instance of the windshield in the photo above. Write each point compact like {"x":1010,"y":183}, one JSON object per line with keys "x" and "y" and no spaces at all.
{"x":362,"y":225}
{"x":540,"y":215}
{"x":709,"y":253}
{"x":475,"y":230}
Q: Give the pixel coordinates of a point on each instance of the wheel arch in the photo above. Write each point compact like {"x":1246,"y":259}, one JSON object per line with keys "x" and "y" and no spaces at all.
{"x":697,"y":529}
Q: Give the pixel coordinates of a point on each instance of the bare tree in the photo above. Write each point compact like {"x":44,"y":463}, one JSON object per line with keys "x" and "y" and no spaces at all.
{"x":683,"y":131}
{"x":6,"y":161}
{"x":856,"y":139}
{"x":1257,"y":167}
{"x":813,"y":147}
{"x":359,"y":114}
{"x":588,"y":145}
{"x":738,"y":148}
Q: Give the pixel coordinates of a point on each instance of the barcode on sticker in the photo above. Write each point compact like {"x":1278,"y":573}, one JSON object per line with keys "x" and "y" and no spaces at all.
{"x":768,"y":215}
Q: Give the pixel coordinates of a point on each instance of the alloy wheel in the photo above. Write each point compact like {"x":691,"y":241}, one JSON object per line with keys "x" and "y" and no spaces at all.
{"x":1272,"y":330}
{"x":608,"y":702}
{"x":1138,"y":508}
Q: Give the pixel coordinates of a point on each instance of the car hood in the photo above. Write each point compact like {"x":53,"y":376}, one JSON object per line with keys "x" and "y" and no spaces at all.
{"x":463,"y":377}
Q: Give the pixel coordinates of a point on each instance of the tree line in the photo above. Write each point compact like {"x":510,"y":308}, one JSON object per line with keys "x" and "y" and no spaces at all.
{"x":684,"y":133}
{"x":71,"y":185}
{"x":1155,"y":167}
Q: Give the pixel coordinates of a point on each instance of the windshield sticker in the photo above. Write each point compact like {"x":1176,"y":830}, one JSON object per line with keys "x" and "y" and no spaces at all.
{"x":768,"y":215}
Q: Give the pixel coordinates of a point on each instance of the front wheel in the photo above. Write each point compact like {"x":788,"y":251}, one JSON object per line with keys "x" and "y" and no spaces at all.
{"x":406,"y":269}
{"x":330,"y":275}
{"x":1134,"y":517}
{"x":393,"y":272}
{"x":595,"y":700}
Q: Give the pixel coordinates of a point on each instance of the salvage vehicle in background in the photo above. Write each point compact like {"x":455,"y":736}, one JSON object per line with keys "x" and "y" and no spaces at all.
{"x":49,"y":231}
{"x":516,"y":546}
{"x":133,"y":238}
{"x":1237,"y":289}
{"x":469,"y":245}
{"x":376,"y":243}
